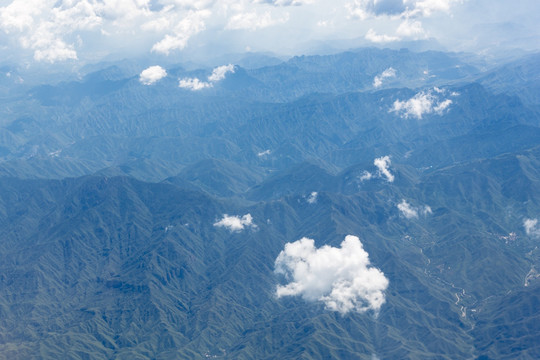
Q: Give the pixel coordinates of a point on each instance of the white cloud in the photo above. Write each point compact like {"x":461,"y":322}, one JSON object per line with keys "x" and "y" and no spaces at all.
{"x":372,"y":36}
{"x":54,"y":50}
{"x":341,"y":278}
{"x":366,"y":175}
{"x":383,"y":163}
{"x":42,"y":25}
{"x":428,"y":7}
{"x":193,"y":23}
{"x":264,"y":153}
{"x":254,"y":21}
{"x":388,"y":73}
{"x":531,"y":227}
{"x":152,"y":75}
{"x":235,"y":223}
{"x":411,"y":212}
{"x":193,"y":84}
{"x":411,"y":29}
{"x":312,"y":198}
{"x":443,"y":105}
{"x":407,"y":210}
{"x":422,"y":103}
{"x":219,"y":72}
{"x":284,"y":2}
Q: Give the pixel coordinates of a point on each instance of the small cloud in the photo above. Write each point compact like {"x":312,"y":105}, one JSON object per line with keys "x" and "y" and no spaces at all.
{"x":312,"y":198}
{"x":341,"y":278}
{"x":531,"y":227}
{"x":411,"y":212}
{"x":193,"y":84}
{"x":365,"y":9}
{"x":422,"y":103}
{"x":407,"y":210}
{"x":235,"y":223}
{"x":388,"y":73}
{"x":264,"y":153}
{"x":372,"y":36}
{"x":152,"y":75}
{"x":383,"y":164}
{"x":366,"y":175}
{"x":440,"y":107}
{"x":220,"y":72}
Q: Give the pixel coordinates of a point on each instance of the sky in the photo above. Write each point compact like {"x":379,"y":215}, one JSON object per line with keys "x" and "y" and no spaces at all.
{"x":86,"y":31}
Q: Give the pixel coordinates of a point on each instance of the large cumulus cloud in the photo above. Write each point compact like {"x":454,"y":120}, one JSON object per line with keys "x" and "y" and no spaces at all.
{"x":341,"y":278}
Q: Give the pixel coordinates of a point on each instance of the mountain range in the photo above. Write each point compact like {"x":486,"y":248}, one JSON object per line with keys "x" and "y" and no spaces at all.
{"x":148,"y":221}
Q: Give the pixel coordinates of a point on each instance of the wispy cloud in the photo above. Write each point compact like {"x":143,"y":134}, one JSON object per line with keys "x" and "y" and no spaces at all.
{"x":412,"y":212}
{"x":383,"y":164}
{"x":220,"y":72}
{"x":372,"y":36}
{"x":264,"y":153}
{"x":152,"y":75}
{"x":388,"y":73}
{"x":366,"y":175}
{"x":341,"y":278}
{"x":193,"y":84}
{"x":254,"y":21}
{"x":236,"y":223}
{"x":424,"y":102}
{"x":191,"y":24}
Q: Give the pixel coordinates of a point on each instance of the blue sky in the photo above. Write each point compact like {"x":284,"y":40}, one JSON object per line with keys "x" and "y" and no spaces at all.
{"x":56,"y":31}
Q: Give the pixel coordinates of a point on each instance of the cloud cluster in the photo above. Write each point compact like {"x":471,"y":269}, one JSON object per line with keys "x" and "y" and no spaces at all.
{"x":531,"y":227}
{"x":195,"y":84}
{"x":341,"y":278}
{"x":412,"y":212}
{"x":152,"y":75}
{"x":236,"y":223}
{"x":388,"y":73}
{"x":383,"y":166}
{"x":41,"y":25}
{"x":424,"y":102}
